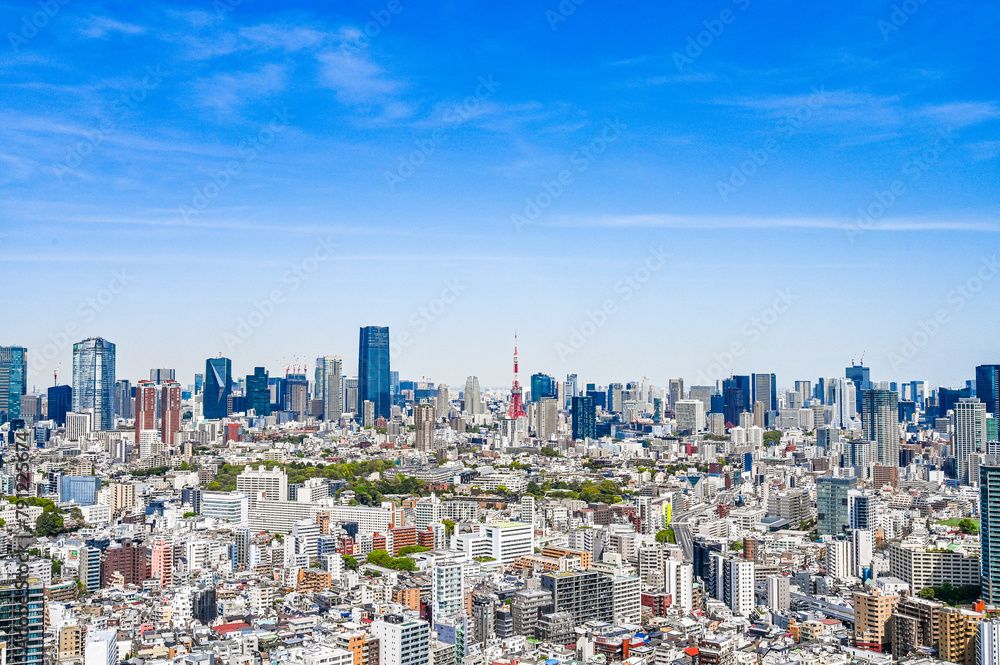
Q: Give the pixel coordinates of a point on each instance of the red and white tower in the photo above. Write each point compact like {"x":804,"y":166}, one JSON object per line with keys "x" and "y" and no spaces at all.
{"x":516,"y":407}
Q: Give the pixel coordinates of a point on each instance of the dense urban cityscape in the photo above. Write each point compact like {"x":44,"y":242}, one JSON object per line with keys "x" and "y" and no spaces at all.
{"x":323,"y":518}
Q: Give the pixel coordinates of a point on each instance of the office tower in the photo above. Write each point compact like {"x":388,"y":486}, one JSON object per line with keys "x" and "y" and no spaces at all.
{"x":472,"y":396}
{"x":765,"y":390}
{"x":296,"y":395}
{"x":842,"y":395}
{"x":258,"y":392}
{"x":546,"y":417}
{"x":159,"y":376}
{"x":145,"y":407}
{"x":988,"y":387}
{"x":273,"y":482}
{"x":402,"y":641}
{"x":832,"y":504}
{"x":735,"y":398}
{"x":423,"y":425}
{"x":778,"y":593}
{"x":989,"y":528}
{"x":615,"y":397}
{"x":170,"y":407}
{"x":13,"y":381}
{"x":863,"y":542}
{"x":124,"y":399}
{"x":205,"y":607}
{"x":60,"y":402}
{"x":968,"y":426}
{"x":873,"y":612}
{"x":805,"y":389}
{"x":572,"y":386}
{"x":542,"y":385}
{"x":585,"y":595}
{"x":94,"y":380}
{"x":442,"y":404}
{"x":218,"y":388}
{"x":679,"y":582}
{"x":373,"y":370}
{"x":330,"y":386}
{"x":880,"y":423}
{"x":860,"y":376}
{"x":81,"y":490}
{"x":675,"y":388}
{"x":584,"y":418}
{"x":690,"y":414}
{"x":957,"y":642}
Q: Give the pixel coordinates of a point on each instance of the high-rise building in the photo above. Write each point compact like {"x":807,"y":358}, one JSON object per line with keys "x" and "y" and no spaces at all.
{"x":765,"y":390}
{"x":615,"y":404}
{"x":542,"y":385}
{"x":676,"y":391}
{"x":423,"y":425}
{"x":218,"y":388}
{"x":13,"y":381}
{"x":159,"y":376}
{"x":373,"y":370}
{"x":145,"y":407}
{"x":24,"y":640}
{"x":472,"y":396}
{"x":832,"y":504}
{"x":988,"y":642}
{"x":161,"y":565}
{"x":737,"y":585}
{"x":586,"y":595}
{"x":89,"y":572}
{"x":170,"y":407}
{"x":546,"y":417}
{"x":778,"y":592}
{"x":861,"y":377}
{"x":736,"y":394}
{"x":442,"y":403}
{"x":690,"y":414}
{"x":447,"y":589}
{"x":60,"y":402}
{"x":957,"y":642}
{"x":101,"y":647}
{"x":272,"y":482}
{"x":402,"y":641}
{"x":989,"y":528}
{"x":872,"y":613}
{"x":584,"y":418}
{"x":880,"y":423}
{"x":330,"y":386}
{"x":124,"y":399}
{"x":988,"y":387}
{"x":968,"y":426}
{"x":94,"y":380}
{"x":258,"y":392}
{"x":915,"y":626}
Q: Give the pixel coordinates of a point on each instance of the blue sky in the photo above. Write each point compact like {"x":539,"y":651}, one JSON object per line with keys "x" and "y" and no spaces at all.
{"x":486,"y":169}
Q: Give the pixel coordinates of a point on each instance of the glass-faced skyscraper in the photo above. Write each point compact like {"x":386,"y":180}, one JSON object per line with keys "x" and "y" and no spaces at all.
{"x":13,"y":381}
{"x":218,"y":388}
{"x":373,"y":371}
{"x":989,"y":529}
{"x":880,"y":422}
{"x":584,"y":418}
{"x":94,"y":380}
{"x":988,"y":387}
{"x":258,"y":394}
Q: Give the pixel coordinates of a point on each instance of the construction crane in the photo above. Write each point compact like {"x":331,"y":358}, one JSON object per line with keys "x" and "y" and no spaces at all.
{"x":55,"y":374}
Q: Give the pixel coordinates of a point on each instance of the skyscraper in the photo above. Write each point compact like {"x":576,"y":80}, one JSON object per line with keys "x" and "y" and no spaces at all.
{"x":443,"y":402}
{"x":988,"y":387}
{"x":258,"y":393}
{"x":880,"y":423}
{"x":833,"y":504}
{"x":13,"y":381}
{"x":145,"y":407}
{"x":330,"y":386}
{"x":158,"y":376}
{"x":676,"y":388}
{"x":584,"y":418}
{"x":94,"y":380}
{"x":989,"y":528}
{"x":423,"y":424}
{"x":542,"y":385}
{"x":472,"y":396}
{"x":60,"y":401}
{"x":124,"y":399}
{"x":765,"y":390}
{"x":170,"y":406}
{"x":218,"y":388}
{"x":861,"y":376}
{"x":736,"y":393}
{"x":373,"y":370}
{"x":968,"y":426}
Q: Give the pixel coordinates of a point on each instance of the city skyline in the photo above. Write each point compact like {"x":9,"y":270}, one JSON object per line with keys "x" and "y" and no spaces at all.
{"x":522,"y":169}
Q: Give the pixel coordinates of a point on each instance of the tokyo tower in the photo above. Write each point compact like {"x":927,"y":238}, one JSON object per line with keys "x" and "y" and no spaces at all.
{"x":516,"y":407}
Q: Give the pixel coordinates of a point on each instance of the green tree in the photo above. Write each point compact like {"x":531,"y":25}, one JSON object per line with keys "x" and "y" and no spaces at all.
{"x":350,"y":562}
{"x":56,"y":567}
{"x":736,"y":545}
{"x":412,"y":549}
{"x":449,"y":527}
{"x":666,"y":536}
{"x":49,"y":524}
{"x":927,"y":592}
{"x":968,"y":526}
{"x":190,"y":514}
